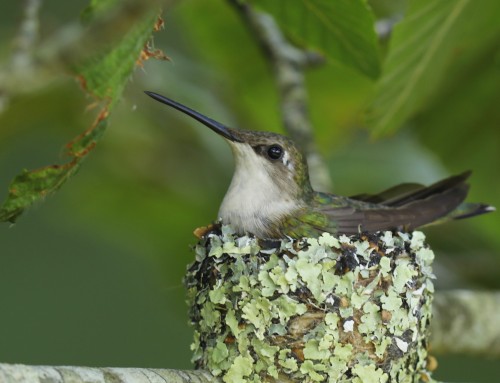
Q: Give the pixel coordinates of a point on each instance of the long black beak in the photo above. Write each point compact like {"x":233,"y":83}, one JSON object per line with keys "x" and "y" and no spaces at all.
{"x":217,"y":127}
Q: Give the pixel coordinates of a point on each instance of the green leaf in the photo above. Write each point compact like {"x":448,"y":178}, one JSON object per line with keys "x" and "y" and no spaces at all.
{"x":342,"y":30}
{"x":30,"y":186}
{"x":103,"y":75}
{"x":424,"y":46}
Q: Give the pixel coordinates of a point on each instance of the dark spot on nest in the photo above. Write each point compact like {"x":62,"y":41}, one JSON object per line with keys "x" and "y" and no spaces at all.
{"x":407,"y":336}
{"x":407,"y":247}
{"x":347,"y":260}
{"x":405,"y":304}
{"x":348,"y":373}
{"x":267,"y":244}
{"x":263,"y":258}
{"x":300,"y":245}
{"x":374,"y":259}
{"x":373,"y":238}
{"x":394,"y":351}
{"x":396,"y":252}
{"x":334,"y":305}
{"x":303,"y":294}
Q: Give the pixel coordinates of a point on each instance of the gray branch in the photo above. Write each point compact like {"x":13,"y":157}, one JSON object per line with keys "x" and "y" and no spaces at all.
{"x":19,"y":373}
{"x":289,"y":64}
{"x":466,"y":322}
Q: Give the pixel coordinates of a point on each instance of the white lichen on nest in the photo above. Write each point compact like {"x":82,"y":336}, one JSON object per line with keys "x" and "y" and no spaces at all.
{"x":347,"y":309}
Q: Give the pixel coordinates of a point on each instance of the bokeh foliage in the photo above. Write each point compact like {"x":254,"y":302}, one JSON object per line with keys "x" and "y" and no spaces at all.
{"x":103,"y":75}
{"x":341,"y":30}
{"x":93,"y":275}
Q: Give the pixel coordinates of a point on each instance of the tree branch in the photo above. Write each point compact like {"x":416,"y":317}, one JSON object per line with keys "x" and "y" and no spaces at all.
{"x":466,"y":322}
{"x":19,"y":373}
{"x":289,"y":64}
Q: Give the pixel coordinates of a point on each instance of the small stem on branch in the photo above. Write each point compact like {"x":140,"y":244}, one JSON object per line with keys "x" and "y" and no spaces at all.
{"x":22,"y":57}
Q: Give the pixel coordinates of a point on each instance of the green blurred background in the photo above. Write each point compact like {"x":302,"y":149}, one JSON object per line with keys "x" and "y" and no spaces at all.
{"x":92,"y":276}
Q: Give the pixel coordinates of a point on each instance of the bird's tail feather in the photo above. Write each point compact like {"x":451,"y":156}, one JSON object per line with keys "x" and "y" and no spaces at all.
{"x":470,"y":209}
{"x":423,"y":205}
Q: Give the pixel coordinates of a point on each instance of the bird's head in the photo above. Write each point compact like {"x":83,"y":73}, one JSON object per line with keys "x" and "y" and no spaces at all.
{"x":267,"y":163}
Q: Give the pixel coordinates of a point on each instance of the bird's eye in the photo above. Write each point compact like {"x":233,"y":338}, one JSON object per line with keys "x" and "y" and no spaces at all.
{"x":275,"y":152}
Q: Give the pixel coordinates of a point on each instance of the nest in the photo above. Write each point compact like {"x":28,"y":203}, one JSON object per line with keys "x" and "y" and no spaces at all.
{"x":347,"y":309}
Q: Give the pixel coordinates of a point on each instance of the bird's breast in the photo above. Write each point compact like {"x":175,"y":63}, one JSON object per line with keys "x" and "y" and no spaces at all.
{"x":258,"y":211}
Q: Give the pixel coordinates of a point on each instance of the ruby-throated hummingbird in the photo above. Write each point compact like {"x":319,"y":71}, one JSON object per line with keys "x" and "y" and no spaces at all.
{"x":270,"y":195}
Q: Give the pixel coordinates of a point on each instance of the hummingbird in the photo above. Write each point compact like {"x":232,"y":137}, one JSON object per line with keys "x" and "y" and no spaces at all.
{"x":271,"y":197}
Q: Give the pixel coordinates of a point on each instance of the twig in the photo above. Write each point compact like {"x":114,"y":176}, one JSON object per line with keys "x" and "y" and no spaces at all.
{"x":466,"y":322}
{"x":22,"y":56}
{"x":289,"y":64}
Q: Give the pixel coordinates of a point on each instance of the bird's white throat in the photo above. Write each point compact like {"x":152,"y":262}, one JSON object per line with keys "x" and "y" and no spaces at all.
{"x":254,"y":199}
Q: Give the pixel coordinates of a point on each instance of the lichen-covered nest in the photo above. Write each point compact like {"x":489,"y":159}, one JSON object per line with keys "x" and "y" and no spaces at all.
{"x":346,"y":309}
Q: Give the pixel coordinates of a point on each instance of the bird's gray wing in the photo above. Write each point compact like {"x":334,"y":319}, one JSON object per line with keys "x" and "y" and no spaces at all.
{"x":351,"y":216}
{"x":402,"y":194}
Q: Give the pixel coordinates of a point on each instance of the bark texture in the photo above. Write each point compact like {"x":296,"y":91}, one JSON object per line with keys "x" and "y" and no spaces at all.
{"x":466,"y":322}
{"x":19,"y":373}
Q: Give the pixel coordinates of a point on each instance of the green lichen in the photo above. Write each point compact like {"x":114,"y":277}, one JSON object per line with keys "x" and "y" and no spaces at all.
{"x":310,"y":272}
{"x":311,"y":369}
{"x":347,"y":309}
{"x":313,"y":350}
{"x":369,"y":374}
{"x":241,"y":367}
{"x":289,"y":364}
